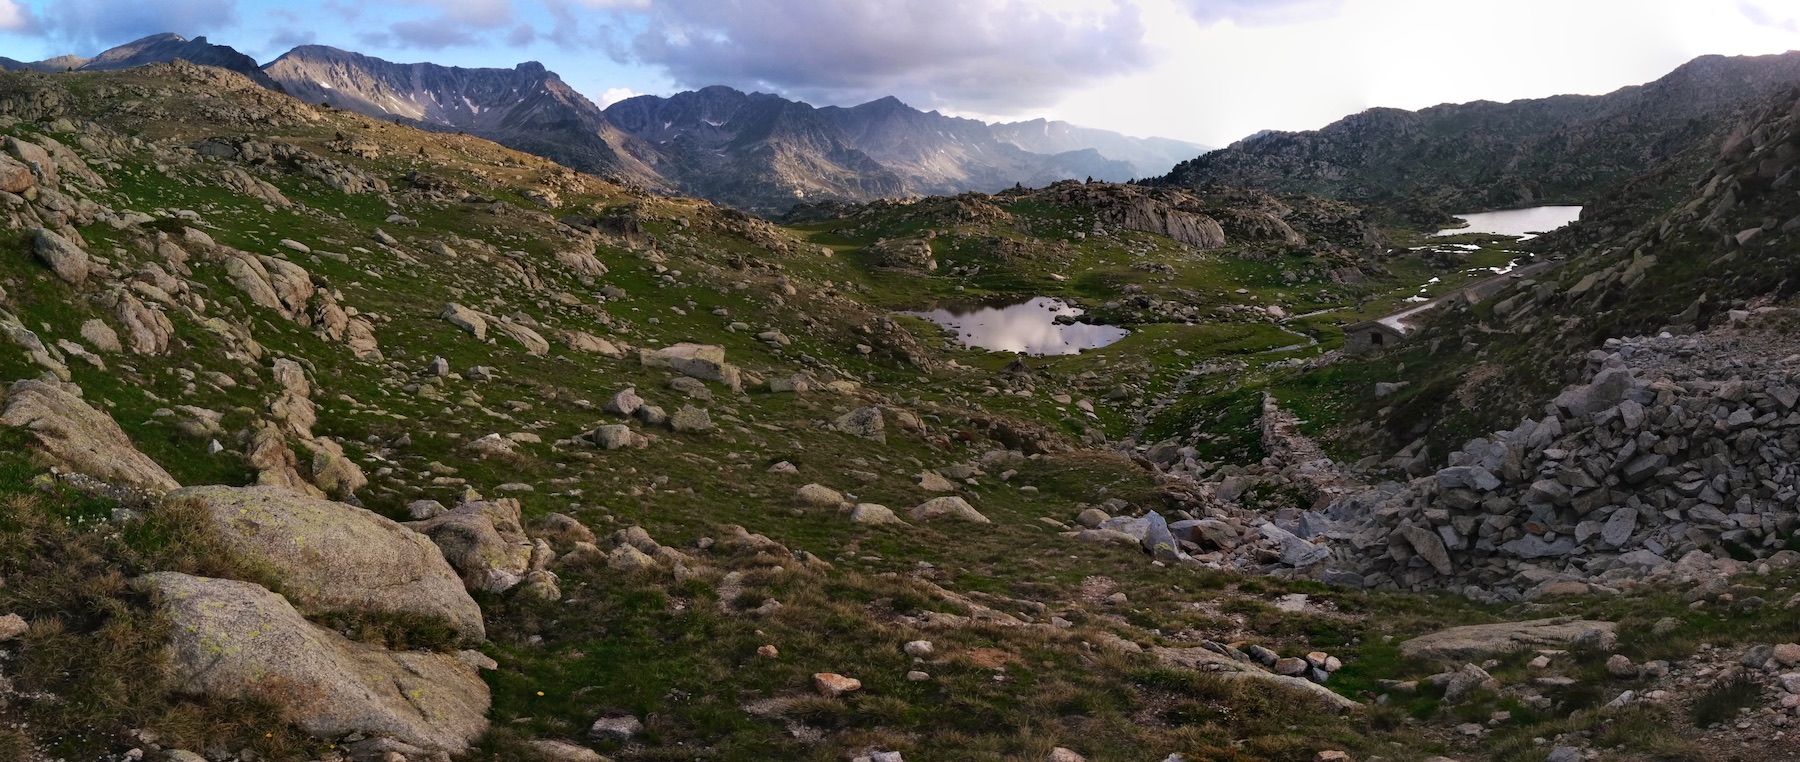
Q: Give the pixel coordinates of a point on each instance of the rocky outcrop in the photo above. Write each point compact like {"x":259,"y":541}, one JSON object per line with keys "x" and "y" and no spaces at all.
{"x":73,"y":435}
{"x":913,"y":254}
{"x":1483,"y":641}
{"x":327,"y":556}
{"x":232,"y":641}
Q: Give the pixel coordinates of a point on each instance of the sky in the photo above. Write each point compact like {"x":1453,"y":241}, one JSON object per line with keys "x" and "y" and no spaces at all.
{"x":1207,"y":71}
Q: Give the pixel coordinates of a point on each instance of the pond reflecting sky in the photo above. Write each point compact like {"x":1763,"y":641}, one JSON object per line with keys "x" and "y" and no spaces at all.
{"x":1029,"y":327}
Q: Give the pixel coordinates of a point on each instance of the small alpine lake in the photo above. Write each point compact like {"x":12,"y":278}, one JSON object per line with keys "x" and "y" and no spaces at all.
{"x":1038,"y":326}
{"x":1523,"y":223}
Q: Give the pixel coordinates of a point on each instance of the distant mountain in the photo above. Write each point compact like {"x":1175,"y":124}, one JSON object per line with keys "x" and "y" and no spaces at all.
{"x":50,"y":65}
{"x":940,"y":155}
{"x":1148,"y":157}
{"x":755,"y":151}
{"x":160,"y":48}
{"x":527,"y":107}
{"x":1486,"y":155}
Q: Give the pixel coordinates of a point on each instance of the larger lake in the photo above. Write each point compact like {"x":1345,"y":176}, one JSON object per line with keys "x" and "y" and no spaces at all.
{"x":1030,"y":327}
{"x":1524,"y":223}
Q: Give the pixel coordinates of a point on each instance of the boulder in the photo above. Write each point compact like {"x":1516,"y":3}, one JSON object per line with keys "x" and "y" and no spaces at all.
{"x":703,"y":361}
{"x":73,"y":435}
{"x":534,"y":344}
{"x":147,"y":329}
{"x":818,"y":496}
{"x":64,"y":258}
{"x":328,"y":556}
{"x":865,"y":423}
{"x":870,"y":513}
{"x":466,"y":319}
{"x":947,"y":507}
{"x":232,"y":641}
{"x":690,"y":420}
{"x":1481,"y":641}
{"x":1429,"y":545}
{"x":483,"y":541}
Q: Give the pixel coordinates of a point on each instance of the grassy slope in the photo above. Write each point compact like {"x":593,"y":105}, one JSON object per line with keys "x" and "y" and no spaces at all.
{"x":664,"y":649}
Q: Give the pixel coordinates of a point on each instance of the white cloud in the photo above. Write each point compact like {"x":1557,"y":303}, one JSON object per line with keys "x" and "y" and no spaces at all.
{"x":13,"y":17}
{"x":614,"y":95}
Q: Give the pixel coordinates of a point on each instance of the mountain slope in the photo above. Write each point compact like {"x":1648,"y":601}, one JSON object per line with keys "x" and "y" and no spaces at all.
{"x":527,"y":107}
{"x":1483,"y":155}
{"x":162,"y":48}
{"x":755,"y":150}
{"x":1148,"y":157}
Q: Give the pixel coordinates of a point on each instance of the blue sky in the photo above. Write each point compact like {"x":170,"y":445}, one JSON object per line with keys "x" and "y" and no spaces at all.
{"x":1203,"y":70}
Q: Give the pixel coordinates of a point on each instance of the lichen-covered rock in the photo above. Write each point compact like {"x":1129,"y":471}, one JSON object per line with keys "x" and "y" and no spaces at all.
{"x":73,"y":435}
{"x":328,"y":556}
{"x":233,"y":641}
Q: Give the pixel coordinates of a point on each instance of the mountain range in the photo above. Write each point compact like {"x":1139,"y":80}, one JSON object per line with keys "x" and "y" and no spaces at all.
{"x":1486,"y":155}
{"x":752,"y":150}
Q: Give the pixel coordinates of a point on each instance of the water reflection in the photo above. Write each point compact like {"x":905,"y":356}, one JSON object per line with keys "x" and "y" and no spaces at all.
{"x":1524,"y":223}
{"x":1029,"y":327}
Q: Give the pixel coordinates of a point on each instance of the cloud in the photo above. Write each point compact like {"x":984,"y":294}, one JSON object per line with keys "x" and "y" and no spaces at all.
{"x":614,"y":95}
{"x":90,"y":26}
{"x":1260,"y":12}
{"x":1765,"y":13}
{"x":16,"y":18}
{"x":290,"y":37}
{"x":464,"y":23}
{"x":995,"y":55}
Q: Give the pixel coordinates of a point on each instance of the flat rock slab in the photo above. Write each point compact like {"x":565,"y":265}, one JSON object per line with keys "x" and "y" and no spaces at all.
{"x":236,"y":640}
{"x":332,"y":556}
{"x":1202,"y":660}
{"x":72,"y":434}
{"x":1476,"y":642}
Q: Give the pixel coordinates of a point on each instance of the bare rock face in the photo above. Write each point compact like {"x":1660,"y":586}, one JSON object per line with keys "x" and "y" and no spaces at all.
{"x":62,"y":256}
{"x":73,"y":435}
{"x":484,"y":541}
{"x":236,"y":179}
{"x":331,"y":557}
{"x":235,"y":641}
{"x":1477,"y":642}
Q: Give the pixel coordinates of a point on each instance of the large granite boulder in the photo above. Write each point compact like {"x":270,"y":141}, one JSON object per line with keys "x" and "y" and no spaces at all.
{"x":328,"y":556}
{"x":233,"y":641}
